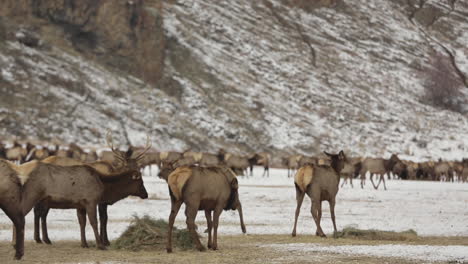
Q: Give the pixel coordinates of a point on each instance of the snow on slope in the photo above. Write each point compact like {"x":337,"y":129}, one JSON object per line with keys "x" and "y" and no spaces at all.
{"x":249,"y":82}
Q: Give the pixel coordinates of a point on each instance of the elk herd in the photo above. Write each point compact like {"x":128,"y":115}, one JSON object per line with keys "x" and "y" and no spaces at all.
{"x":42,"y":178}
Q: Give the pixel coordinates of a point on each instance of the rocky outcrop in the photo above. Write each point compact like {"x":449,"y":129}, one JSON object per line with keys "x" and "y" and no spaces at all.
{"x":127,"y":35}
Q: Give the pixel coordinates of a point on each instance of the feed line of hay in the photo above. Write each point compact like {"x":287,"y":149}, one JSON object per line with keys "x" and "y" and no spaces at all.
{"x":372,"y":234}
{"x":149,"y":233}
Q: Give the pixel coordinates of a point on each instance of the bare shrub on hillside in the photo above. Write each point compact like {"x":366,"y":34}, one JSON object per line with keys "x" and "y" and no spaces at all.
{"x":441,"y":85}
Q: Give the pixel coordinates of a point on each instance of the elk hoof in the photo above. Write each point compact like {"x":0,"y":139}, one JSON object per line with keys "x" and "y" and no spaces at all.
{"x":169,"y":250}
{"x":101,"y":247}
{"x":201,"y":248}
{"x":47,"y":241}
{"x":18,"y":256}
{"x":293,"y":234}
{"x":84,"y":245}
{"x":106,"y":243}
{"x":214,"y":248}
{"x":38,"y":241}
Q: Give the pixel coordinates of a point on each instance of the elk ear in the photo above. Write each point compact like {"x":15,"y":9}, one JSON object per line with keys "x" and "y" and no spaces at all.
{"x":234,"y":184}
{"x":341,"y":155}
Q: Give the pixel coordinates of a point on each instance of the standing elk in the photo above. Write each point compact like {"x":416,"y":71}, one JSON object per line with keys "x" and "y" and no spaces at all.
{"x":261,"y":159}
{"x":10,"y":202}
{"x":200,"y":188}
{"x":236,"y":163}
{"x":79,"y":187}
{"x":292,"y":163}
{"x":443,"y":171}
{"x":379,"y":167}
{"x":349,"y":170}
{"x":114,"y":190}
{"x":320,"y":183}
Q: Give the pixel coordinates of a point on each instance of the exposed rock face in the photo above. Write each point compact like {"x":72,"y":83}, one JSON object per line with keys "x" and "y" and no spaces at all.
{"x":127,"y":35}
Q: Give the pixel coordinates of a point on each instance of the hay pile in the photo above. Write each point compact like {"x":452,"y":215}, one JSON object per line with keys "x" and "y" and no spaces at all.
{"x":149,"y":233}
{"x":354,"y":233}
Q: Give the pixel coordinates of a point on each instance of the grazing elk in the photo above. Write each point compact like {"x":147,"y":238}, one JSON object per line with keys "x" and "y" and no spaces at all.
{"x":320,"y":183}
{"x":210,"y":189}
{"x":114,"y":190}
{"x":10,"y":202}
{"x":377,"y":166}
{"x":261,"y":159}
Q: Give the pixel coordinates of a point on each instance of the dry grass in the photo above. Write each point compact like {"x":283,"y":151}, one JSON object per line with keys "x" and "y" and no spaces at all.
{"x":354,"y":233}
{"x":232,"y":249}
{"x":147,"y":233}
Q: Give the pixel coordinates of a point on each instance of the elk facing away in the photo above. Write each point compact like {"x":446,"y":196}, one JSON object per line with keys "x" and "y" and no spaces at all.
{"x":115,"y":189}
{"x":377,"y":166}
{"x":320,"y":183}
{"x":210,"y":189}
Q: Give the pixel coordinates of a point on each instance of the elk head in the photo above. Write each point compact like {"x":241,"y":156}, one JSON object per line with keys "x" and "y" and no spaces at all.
{"x":337,"y":160}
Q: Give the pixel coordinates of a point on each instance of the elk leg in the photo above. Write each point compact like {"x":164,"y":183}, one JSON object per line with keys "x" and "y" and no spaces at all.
{"x":81,"y":213}
{"x":37,"y":215}
{"x":18,"y":229}
{"x":91,"y":210}
{"x":382,"y":176}
{"x":299,"y":199}
{"x":344,"y":181}
{"x":383,"y":179}
{"x":316,"y":207}
{"x":217,"y":212}
{"x":241,"y":218}
{"x":175,"y":206}
{"x":332,"y":213}
{"x":45,"y":233}
{"x":191,"y":210}
{"x":209,"y":223}
{"x":372,"y":180}
{"x":351,"y":181}
{"x":103,"y":223}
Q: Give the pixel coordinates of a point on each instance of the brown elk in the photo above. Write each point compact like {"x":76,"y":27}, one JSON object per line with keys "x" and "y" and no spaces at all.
{"x":114,"y":191}
{"x":236,"y":163}
{"x":16,"y":153}
{"x":261,"y":159}
{"x":10,"y":202}
{"x":78,"y":187}
{"x":320,"y":183}
{"x":292,"y":163}
{"x":443,"y":170}
{"x":349,"y":170}
{"x":203,"y":159}
{"x":200,"y":188}
{"x":377,"y":166}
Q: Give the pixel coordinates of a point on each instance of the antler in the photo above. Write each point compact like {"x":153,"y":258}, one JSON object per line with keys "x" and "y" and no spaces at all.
{"x":148,"y":146}
{"x":110,"y":143}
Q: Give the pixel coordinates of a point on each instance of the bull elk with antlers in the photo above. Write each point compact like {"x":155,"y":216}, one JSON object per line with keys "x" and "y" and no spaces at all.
{"x":115,"y":189}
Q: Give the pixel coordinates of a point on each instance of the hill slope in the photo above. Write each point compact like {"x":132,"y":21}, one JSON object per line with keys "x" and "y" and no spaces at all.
{"x":253,"y":75}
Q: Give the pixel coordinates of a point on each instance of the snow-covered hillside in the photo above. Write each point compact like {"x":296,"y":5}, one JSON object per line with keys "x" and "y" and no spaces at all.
{"x":256,"y":75}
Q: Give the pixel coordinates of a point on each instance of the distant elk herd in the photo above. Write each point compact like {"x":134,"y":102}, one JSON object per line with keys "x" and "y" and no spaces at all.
{"x":43,"y":178}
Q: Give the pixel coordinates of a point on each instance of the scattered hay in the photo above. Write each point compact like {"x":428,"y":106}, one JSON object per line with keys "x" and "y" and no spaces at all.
{"x":372,"y":234}
{"x":149,"y":233}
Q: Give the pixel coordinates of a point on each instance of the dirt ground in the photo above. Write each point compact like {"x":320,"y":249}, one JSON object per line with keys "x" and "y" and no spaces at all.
{"x":234,"y":249}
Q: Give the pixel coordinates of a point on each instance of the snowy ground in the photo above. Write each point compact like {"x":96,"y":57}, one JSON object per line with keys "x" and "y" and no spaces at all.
{"x":430,"y":208}
{"x":453,"y":254}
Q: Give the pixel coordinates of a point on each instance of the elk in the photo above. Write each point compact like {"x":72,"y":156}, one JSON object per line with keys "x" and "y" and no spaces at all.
{"x":16,"y":153}
{"x":79,"y":187}
{"x":377,"y":166}
{"x":10,"y":202}
{"x":203,"y":159}
{"x":443,"y":169}
{"x":114,"y":190}
{"x":292,"y":163}
{"x":262,"y":159}
{"x":349,"y":170}
{"x":320,"y":183}
{"x":210,"y":189}
{"x":236,"y":163}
